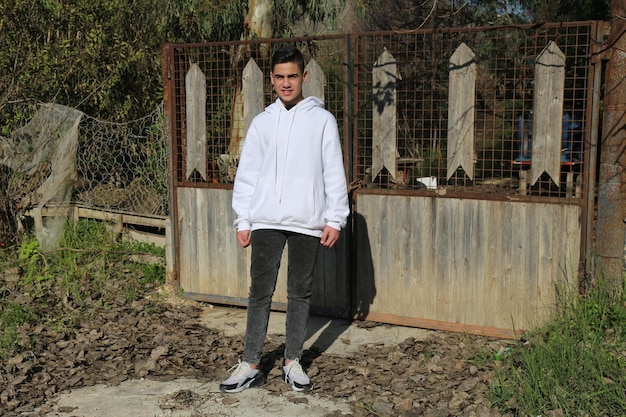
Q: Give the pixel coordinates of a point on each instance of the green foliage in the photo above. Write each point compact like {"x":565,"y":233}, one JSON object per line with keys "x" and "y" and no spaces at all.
{"x":434,"y":164}
{"x":407,"y":14}
{"x":575,"y":363}
{"x":12,"y":317}
{"x":104,"y":57}
{"x":317,"y":10}
{"x":91,"y":267}
{"x":101,"y":57}
{"x":506,"y":12}
{"x":566,"y":10}
{"x":28,"y":249}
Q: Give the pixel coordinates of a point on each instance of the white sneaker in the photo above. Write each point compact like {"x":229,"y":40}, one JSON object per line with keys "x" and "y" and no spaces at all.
{"x":243,"y":377}
{"x":294,"y":375}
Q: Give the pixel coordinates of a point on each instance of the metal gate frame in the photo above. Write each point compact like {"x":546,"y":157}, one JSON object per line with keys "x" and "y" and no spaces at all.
{"x":355,"y":127}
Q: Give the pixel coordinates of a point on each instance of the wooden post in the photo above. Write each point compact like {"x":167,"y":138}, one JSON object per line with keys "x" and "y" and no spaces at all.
{"x":248,"y":102}
{"x":252,"y":94}
{"x":384,"y":131}
{"x":461,"y":102}
{"x":314,"y":86}
{"x":195,"y":93}
{"x":548,"y":113}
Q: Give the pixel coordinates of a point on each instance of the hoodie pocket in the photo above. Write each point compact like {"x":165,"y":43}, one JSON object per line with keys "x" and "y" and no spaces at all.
{"x":289,"y":203}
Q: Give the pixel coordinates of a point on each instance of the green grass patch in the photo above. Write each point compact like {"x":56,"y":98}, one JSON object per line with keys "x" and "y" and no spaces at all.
{"x":90,"y":270}
{"x":12,"y":317}
{"x":575,"y":363}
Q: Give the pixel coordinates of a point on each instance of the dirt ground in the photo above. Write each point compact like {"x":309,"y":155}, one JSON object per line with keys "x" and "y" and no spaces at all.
{"x":163,"y":338}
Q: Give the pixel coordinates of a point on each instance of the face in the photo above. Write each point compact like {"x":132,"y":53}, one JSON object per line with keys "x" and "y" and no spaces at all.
{"x":287,"y":80}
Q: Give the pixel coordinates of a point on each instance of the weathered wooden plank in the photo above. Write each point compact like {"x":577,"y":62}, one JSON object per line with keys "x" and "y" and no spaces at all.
{"x":378,"y":226}
{"x":470,"y":266}
{"x":76,"y":212}
{"x":247,"y":103}
{"x":550,"y":220}
{"x":316,"y":80}
{"x":426,"y":211}
{"x":401,"y":262}
{"x":384,"y":120}
{"x":214,"y":266}
{"x":365,"y":285}
{"x":444,"y":237}
{"x":510,"y":255}
{"x":238,"y":257}
{"x":570,"y":267}
{"x":473,"y":253}
{"x":526,"y":299}
{"x":494,"y":263}
{"x":458,"y":287}
{"x":477,"y":266}
{"x":195,"y":96}
{"x":253,"y":101}
{"x":548,"y":105}
{"x":407,"y":251}
{"x":461,"y":106}
{"x":171,"y":260}
{"x":204,"y":244}
{"x":187,"y":254}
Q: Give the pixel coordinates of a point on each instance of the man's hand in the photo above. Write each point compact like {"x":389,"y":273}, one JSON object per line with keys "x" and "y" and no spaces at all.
{"x":243,"y":237}
{"x":329,"y":236}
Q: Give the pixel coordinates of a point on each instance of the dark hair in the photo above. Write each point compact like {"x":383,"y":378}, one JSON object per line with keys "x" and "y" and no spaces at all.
{"x":286,"y":54}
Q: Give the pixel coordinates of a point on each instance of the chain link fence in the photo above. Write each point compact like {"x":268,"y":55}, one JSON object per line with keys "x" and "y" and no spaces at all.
{"x":54,"y":155}
{"x":123,"y":166}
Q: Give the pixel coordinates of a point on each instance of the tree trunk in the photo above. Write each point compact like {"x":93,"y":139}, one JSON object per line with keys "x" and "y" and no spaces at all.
{"x":260,"y":20}
{"x":260,"y":23}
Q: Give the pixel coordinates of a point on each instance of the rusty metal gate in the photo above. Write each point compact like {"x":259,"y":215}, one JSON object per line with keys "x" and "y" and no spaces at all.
{"x":470,"y":155}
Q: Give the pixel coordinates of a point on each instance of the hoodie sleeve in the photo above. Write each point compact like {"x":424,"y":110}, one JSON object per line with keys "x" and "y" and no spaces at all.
{"x":337,"y":208}
{"x":246,"y":178}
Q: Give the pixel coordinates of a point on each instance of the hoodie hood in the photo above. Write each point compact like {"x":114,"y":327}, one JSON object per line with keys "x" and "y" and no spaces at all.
{"x":305,"y":104}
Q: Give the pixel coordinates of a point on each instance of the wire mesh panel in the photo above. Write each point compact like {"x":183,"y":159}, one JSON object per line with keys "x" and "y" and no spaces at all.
{"x":123,"y":166}
{"x":108,"y":166}
{"x":223,"y":66}
{"x":505,"y":60}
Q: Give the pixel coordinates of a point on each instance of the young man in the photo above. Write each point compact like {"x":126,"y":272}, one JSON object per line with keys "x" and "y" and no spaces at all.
{"x":290,"y":186}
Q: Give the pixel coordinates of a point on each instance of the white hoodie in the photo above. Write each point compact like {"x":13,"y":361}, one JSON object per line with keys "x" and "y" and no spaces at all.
{"x":290,"y":174}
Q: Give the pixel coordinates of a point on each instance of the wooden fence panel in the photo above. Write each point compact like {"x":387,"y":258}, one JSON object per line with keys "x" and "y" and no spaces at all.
{"x":314,"y":86}
{"x":461,"y":109}
{"x":214,"y":268}
{"x":384,"y":120}
{"x":478,"y":269}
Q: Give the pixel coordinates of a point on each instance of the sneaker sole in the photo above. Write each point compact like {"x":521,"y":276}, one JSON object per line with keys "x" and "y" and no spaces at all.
{"x":250,"y":384}
{"x":306,"y":388}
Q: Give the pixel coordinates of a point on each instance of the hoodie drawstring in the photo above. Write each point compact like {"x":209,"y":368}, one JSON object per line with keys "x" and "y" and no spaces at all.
{"x":282,"y":184}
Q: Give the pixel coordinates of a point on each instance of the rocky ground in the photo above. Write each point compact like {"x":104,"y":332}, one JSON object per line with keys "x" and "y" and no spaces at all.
{"x":161,"y":337}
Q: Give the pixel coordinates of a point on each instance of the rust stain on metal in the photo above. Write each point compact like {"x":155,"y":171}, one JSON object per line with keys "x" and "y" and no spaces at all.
{"x":612,"y":186}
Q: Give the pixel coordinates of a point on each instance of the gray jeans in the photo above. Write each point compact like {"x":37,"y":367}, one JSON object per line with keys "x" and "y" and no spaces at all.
{"x":267,"y":249}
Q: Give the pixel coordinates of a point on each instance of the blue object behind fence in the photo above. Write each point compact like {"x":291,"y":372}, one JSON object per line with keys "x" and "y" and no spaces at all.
{"x":571,"y":140}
